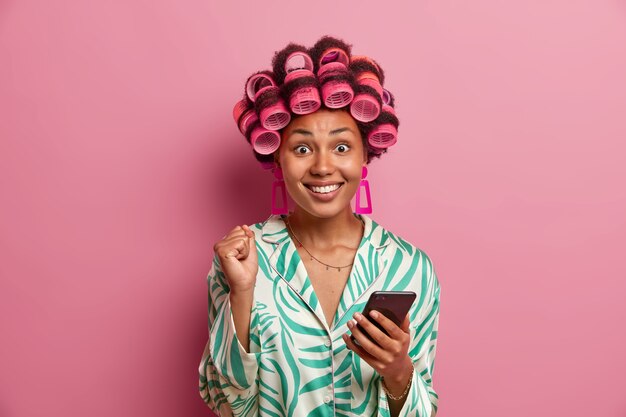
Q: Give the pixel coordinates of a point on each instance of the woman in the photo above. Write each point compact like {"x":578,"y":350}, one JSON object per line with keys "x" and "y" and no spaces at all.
{"x":286,"y":294}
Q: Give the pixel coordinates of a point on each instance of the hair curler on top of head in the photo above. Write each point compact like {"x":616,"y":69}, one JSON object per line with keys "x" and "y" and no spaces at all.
{"x":303,"y":80}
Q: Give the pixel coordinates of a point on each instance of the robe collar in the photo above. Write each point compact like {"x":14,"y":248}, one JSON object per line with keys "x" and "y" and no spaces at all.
{"x":370,"y":261}
{"x":274,"y":230}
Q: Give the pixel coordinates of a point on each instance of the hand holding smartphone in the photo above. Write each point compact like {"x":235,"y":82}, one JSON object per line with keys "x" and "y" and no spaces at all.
{"x":394,"y":305}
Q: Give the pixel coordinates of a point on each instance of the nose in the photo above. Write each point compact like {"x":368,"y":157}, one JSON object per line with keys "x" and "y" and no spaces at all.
{"x":322,"y":163}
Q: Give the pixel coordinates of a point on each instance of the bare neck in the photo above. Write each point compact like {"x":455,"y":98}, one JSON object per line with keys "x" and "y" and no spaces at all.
{"x":343,"y":229}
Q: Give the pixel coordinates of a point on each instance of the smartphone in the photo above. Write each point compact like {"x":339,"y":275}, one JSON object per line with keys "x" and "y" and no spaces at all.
{"x":394,"y":305}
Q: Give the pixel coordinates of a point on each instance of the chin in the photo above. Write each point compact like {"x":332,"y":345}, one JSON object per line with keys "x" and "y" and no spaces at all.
{"x":326,"y":212}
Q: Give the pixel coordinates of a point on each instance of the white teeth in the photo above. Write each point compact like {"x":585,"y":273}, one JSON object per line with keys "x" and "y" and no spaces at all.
{"x":324,"y":190}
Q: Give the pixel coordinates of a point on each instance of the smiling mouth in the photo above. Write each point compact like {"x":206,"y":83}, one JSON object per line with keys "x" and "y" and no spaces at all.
{"x":325,"y":189}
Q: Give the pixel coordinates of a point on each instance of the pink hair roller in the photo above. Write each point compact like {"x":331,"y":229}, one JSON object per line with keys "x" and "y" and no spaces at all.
{"x":383,"y":136}
{"x":244,"y":116}
{"x":369,"y":78}
{"x":336,"y":93}
{"x":365,"y":107}
{"x":240,"y":107}
{"x":264,"y":141}
{"x":334,"y":55}
{"x":365,"y":58}
{"x":386,"y":96}
{"x":248,"y":118}
{"x":275,"y":116}
{"x":305,"y":99}
{"x":386,"y":134}
{"x":257,"y":84}
{"x":298,"y":61}
{"x":387,"y":108}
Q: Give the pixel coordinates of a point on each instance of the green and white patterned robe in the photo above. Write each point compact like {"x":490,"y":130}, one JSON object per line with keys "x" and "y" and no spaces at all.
{"x":297,"y":366}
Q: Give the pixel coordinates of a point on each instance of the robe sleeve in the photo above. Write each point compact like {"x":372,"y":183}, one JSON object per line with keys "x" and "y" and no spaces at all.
{"x":422,"y":400}
{"x":228,"y":375}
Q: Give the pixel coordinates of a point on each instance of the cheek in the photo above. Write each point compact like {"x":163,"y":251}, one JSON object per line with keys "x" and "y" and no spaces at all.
{"x":352,"y":170}
{"x":292,"y":172}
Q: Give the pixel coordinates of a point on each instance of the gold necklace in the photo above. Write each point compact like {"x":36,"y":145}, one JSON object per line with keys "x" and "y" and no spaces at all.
{"x":311,"y":255}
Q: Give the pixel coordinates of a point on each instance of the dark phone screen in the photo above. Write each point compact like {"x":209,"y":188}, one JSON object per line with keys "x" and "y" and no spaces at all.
{"x":394,"y":305}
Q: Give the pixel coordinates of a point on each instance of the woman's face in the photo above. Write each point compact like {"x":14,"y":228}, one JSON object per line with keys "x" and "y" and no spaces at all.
{"x":322,"y":156}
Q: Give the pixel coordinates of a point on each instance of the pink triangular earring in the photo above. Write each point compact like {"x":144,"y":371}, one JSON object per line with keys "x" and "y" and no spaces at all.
{"x":278,"y":187}
{"x":359,"y":209}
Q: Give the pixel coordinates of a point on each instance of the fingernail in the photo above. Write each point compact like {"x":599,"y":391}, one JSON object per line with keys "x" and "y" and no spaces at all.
{"x":350,"y":324}
{"x":374,"y":314}
{"x":357,"y":316}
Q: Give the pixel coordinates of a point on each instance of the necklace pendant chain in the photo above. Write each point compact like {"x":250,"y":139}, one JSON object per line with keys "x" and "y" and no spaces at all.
{"x":311,"y":255}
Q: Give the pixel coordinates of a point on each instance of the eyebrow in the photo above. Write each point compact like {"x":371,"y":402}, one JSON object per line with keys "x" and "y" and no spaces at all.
{"x":332,"y":132}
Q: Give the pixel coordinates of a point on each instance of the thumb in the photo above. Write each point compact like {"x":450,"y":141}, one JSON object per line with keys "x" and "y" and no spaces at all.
{"x":251,"y":242}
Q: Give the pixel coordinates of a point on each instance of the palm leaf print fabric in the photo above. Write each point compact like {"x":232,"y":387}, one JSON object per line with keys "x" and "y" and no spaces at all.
{"x":297,"y":365}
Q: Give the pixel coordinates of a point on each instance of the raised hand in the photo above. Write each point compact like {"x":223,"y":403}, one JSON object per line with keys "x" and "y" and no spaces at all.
{"x":237,"y":254}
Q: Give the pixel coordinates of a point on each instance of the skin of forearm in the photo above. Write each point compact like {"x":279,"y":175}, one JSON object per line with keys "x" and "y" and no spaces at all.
{"x":396,"y":386}
{"x":241,"y":307}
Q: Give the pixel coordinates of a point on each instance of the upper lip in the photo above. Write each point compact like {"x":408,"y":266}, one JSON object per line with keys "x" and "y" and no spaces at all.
{"x":322,"y":184}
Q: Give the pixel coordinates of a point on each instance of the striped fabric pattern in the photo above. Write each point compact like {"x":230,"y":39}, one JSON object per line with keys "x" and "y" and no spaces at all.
{"x":297,"y":365}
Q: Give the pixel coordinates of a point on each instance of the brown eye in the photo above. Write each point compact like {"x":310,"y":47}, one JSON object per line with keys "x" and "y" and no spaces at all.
{"x":301,"y":149}
{"x":342,"y":147}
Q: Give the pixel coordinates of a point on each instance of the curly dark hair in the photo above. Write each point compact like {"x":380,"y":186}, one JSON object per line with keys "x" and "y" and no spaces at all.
{"x":356,"y":69}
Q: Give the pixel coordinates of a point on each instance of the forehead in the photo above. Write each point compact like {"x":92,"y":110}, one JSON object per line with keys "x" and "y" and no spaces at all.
{"x":322,"y":123}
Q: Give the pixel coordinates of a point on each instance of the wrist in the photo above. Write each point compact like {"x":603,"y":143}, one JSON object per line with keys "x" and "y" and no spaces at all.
{"x":241,"y":293}
{"x":400,"y":377}
{"x":397,"y":386}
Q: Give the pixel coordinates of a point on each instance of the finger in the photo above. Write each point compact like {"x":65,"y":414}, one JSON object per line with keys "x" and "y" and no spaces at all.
{"x":377,"y":334}
{"x":228,"y":239}
{"x":247,"y":230}
{"x":235,"y":248}
{"x":244,"y":248}
{"x":360,"y":351}
{"x":234,"y":232}
{"x":237,"y":231}
{"x":405,"y":324}
{"x":369,"y":346}
{"x":390,"y":327}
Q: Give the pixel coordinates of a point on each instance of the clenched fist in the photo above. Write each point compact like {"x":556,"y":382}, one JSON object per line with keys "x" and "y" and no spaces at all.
{"x":237,"y":253}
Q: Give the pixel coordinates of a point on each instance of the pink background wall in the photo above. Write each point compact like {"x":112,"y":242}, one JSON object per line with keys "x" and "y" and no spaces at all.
{"x":120,"y":166}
